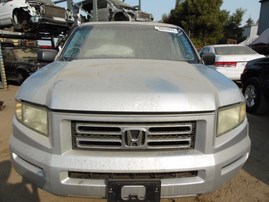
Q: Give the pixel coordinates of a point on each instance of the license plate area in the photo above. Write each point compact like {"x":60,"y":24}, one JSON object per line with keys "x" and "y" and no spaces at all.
{"x":241,"y":64}
{"x":133,"y":191}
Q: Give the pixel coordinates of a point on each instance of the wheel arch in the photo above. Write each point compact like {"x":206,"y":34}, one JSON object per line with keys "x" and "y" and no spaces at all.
{"x":120,"y":16}
{"x":23,"y":68}
{"x":15,"y":11}
{"x":248,"y":75}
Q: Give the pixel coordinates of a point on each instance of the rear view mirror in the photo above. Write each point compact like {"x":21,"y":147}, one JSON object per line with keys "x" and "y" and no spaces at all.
{"x":46,"y":55}
{"x":208,"y":58}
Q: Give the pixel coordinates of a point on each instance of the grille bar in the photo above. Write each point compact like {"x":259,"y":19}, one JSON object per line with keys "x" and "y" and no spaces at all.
{"x":89,"y":175}
{"x":122,"y":135}
{"x":86,"y":143}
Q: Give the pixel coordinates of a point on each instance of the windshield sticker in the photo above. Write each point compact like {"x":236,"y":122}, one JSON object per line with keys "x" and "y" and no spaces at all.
{"x":167,"y":29}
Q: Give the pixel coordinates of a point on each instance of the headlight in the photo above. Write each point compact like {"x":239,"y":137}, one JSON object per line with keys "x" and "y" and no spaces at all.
{"x":32,"y":116}
{"x":230,"y":117}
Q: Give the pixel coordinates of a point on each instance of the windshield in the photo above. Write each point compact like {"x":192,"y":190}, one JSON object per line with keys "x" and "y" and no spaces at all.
{"x":129,"y":41}
{"x":234,"y":50}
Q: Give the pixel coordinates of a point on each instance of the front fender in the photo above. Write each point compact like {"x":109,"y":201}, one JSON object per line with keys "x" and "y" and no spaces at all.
{"x":25,"y":8}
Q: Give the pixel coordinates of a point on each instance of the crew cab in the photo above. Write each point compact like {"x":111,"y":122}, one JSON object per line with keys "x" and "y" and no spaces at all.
{"x":128,"y":111}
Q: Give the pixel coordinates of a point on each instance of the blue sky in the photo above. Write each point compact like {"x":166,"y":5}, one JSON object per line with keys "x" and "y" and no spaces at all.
{"x":159,"y":7}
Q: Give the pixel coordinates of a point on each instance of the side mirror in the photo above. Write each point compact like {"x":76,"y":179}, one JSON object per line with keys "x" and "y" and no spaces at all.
{"x":208,"y":58}
{"x":46,"y":55}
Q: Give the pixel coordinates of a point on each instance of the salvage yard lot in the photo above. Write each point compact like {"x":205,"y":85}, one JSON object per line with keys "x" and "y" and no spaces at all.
{"x":250,"y":184}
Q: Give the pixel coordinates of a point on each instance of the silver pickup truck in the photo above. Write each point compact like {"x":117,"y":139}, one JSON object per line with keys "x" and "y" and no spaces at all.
{"x":128,"y":112}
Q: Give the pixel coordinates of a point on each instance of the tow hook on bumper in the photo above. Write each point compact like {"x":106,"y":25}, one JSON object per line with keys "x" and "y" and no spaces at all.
{"x":138,"y":190}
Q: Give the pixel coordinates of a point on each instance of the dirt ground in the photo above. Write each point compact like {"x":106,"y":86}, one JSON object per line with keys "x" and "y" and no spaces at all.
{"x":244,"y":187}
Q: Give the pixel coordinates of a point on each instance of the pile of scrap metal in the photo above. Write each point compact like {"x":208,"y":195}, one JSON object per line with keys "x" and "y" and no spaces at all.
{"x":110,"y":10}
{"x":35,"y":16}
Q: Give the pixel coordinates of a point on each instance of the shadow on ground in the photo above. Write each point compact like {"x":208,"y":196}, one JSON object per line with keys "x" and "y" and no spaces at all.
{"x":17,"y":192}
{"x":258,"y":162}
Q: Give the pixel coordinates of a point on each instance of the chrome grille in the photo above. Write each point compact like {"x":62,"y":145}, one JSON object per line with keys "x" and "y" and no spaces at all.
{"x":121,"y":135}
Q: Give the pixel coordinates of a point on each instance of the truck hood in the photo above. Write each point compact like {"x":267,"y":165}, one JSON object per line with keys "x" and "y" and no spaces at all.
{"x":129,"y":86}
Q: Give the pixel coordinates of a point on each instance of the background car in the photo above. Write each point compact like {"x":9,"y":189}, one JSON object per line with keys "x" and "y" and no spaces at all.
{"x":37,"y":15}
{"x":20,"y":63}
{"x":230,"y":59}
{"x":255,"y":81}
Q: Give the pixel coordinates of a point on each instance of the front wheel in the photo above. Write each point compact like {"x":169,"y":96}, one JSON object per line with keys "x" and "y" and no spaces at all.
{"x":21,"y":76}
{"x":255,"y":100}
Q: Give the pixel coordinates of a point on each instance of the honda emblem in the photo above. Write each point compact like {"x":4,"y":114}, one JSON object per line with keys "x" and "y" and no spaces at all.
{"x":134,"y":138}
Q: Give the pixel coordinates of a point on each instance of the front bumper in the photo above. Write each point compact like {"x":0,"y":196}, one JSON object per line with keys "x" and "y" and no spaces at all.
{"x":53,"y":172}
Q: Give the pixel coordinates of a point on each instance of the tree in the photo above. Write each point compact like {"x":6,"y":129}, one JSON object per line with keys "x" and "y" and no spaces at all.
{"x":250,"y":21}
{"x":201,"y":19}
{"x":165,"y":18}
{"x":205,"y":22}
{"x":232,"y":28}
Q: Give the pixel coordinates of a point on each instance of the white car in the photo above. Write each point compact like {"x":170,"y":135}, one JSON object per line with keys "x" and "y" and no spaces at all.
{"x":34,"y":15}
{"x":230,"y":59}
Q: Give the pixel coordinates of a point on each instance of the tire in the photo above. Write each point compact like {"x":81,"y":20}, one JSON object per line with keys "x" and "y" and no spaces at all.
{"x":15,"y":18}
{"x":21,"y":76}
{"x":16,"y":24}
{"x":255,"y":100}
